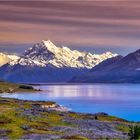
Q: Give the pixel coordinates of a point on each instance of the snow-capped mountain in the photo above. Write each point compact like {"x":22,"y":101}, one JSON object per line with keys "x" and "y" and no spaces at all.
{"x":114,"y":70}
{"x":6,"y":58}
{"x":45,"y":62}
{"x":45,"y":53}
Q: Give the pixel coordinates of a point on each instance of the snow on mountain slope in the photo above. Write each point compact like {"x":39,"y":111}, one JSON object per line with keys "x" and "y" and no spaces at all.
{"x":6,"y":58}
{"x":45,"y":62}
{"x":46,"y":53}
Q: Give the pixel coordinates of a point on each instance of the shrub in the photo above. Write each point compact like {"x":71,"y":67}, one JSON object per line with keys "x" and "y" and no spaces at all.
{"x":134,"y":132}
{"x":25,"y":87}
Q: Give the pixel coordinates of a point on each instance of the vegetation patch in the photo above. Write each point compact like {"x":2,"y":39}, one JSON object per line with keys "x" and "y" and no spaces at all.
{"x":75,"y":137}
{"x":26,"y":87}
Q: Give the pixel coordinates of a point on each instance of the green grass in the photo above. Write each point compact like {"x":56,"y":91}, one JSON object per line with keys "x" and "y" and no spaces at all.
{"x":12,"y":120}
{"x":123,"y":128}
{"x":110,"y":118}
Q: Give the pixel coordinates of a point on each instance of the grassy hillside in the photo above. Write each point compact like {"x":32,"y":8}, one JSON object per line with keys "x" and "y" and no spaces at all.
{"x":27,"y":119}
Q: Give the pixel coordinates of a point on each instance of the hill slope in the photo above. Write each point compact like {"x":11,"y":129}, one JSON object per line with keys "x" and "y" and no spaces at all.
{"x":114,"y":70}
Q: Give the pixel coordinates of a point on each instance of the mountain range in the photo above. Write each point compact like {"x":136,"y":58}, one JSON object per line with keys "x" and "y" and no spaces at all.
{"x":45,"y":62}
{"x":118,"y":69}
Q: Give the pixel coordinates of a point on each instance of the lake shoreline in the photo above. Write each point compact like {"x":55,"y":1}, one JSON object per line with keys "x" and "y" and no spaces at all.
{"x":116,"y":100}
{"x":57,"y":107}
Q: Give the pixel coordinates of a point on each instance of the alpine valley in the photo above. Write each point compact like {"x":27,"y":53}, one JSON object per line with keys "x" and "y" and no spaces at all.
{"x":45,"y":62}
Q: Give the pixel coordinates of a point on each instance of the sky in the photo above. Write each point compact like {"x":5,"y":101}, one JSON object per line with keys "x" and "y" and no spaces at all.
{"x":87,"y":25}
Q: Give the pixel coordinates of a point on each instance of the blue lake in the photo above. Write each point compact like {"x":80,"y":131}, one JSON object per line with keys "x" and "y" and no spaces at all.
{"x":122,"y":100}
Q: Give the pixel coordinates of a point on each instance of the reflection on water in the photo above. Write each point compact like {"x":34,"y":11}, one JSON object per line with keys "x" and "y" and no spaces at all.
{"x":121,"y":100}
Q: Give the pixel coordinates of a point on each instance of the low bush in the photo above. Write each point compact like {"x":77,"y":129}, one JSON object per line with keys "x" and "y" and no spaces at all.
{"x":25,"y":87}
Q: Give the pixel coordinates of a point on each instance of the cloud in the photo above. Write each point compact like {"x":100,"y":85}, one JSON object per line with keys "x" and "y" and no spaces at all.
{"x":88,"y":23}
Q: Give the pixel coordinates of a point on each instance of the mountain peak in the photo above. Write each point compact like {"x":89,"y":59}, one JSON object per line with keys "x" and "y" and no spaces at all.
{"x":48,"y":44}
{"x":137,"y":52}
{"x":46,"y":53}
{"x":132,"y":58}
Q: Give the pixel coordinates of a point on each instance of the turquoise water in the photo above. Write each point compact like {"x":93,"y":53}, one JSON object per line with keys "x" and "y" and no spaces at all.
{"x":122,"y":100}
